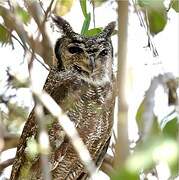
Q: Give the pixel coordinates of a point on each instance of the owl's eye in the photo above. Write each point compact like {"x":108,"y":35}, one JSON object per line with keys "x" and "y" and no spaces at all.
{"x":103,"y":52}
{"x":75,"y":49}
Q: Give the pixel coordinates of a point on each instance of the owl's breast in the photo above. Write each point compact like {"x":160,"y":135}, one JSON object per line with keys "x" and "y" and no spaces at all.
{"x":89,"y":108}
{"x":87,"y":104}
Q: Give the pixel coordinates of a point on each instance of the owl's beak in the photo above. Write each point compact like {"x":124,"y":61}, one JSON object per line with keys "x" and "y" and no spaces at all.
{"x":92,"y":63}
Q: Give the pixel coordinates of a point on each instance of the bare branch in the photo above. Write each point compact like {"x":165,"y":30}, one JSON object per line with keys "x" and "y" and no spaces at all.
{"x":43,"y":141}
{"x":35,"y":11}
{"x":43,"y":48}
{"x":48,"y":11}
{"x":145,"y":24}
{"x":10,"y":141}
{"x":107,"y":168}
{"x":122,"y":147}
{"x":5,"y":164}
{"x":107,"y":165}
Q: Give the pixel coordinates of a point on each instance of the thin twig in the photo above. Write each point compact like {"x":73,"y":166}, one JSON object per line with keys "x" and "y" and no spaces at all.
{"x":43,"y":141}
{"x":10,"y":141}
{"x":41,"y":5}
{"x":145,"y":24}
{"x":47,"y":12}
{"x":94,"y":23}
{"x":35,"y":11}
{"x":170,"y":4}
{"x":5,"y":164}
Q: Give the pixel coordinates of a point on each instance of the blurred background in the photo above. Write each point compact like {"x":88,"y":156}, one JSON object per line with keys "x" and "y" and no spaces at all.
{"x":150,"y":66}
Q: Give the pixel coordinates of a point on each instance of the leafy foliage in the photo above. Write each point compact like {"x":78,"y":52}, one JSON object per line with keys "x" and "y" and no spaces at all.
{"x":175,"y":5}
{"x":22,"y":14}
{"x":124,"y":173}
{"x":4,"y":34}
{"x":93,"y":32}
{"x":160,"y":144}
{"x":63,"y":7}
{"x":156,"y":14}
{"x":86,"y":23}
{"x":171,"y":128}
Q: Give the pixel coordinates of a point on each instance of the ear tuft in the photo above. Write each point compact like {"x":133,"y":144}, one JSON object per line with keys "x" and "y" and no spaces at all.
{"x":63,"y":25}
{"x":109,"y":29}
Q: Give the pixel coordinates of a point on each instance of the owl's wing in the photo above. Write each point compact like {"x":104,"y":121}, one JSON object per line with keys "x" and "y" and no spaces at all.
{"x":55,"y":79}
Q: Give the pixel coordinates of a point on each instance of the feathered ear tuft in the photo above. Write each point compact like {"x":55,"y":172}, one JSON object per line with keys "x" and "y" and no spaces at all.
{"x":63,"y":25}
{"x":108,"y":30}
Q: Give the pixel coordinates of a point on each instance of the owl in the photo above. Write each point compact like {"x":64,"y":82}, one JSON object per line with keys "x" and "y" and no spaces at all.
{"x":82,"y":83}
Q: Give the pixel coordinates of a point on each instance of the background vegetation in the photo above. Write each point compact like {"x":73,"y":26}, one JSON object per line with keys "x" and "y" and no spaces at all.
{"x":157,"y":142}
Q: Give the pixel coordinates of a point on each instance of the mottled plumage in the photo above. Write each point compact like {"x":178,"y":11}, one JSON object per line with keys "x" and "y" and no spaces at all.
{"x":82,"y":84}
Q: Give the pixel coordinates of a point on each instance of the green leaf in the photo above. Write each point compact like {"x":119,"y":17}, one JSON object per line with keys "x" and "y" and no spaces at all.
{"x":93,"y":32}
{"x":175,"y":5}
{"x":124,"y":174}
{"x":174,"y":167}
{"x":156,"y":130}
{"x":62,"y":7}
{"x":4,"y":34}
{"x":157,"y":19}
{"x":139,"y":115}
{"x":32,"y":148}
{"x":151,"y":151}
{"x":86,"y":24}
{"x":83,"y":7}
{"x":23,"y":15}
{"x":156,"y":14}
{"x":150,"y":3}
{"x":171,"y":128}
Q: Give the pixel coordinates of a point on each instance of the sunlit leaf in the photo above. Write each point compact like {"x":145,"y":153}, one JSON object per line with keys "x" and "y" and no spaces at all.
{"x":156,"y":14}
{"x":63,"y":7}
{"x":156,"y":130}
{"x":142,"y":157}
{"x":93,"y":32}
{"x":157,"y":20}
{"x":86,"y":24}
{"x":32,"y":148}
{"x":174,"y":167}
{"x":152,"y":151}
{"x":171,"y":128}
{"x":23,"y":15}
{"x":150,"y":3}
{"x":83,"y":7}
{"x":175,"y":5}
{"x":139,"y":115}
{"x":4,"y":35}
{"x":123,"y":174}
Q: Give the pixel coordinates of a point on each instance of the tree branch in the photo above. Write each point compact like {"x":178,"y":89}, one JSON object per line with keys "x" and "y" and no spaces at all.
{"x":122,"y":147}
{"x":5,"y":164}
{"x":35,"y":11}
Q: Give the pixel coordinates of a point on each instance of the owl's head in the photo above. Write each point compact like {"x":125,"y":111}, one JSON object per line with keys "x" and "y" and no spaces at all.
{"x":89,"y":56}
